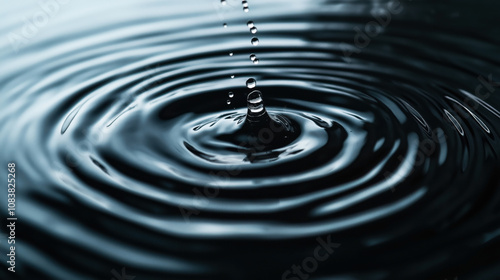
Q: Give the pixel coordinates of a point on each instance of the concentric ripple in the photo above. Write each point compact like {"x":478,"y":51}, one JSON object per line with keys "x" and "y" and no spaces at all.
{"x":130,"y":152}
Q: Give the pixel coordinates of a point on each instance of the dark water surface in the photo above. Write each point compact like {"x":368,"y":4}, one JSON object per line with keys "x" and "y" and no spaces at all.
{"x":132,"y":154}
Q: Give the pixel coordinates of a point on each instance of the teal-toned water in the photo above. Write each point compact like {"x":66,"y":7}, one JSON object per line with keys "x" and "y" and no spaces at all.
{"x":202,"y":140}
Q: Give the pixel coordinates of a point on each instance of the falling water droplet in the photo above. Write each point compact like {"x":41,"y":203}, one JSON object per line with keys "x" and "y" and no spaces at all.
{"x":223,"y":2}
{"x":253,"y":30}
{"x":256,"y":61}
{"x":245,"y":3}
{"x":245,"y":9}
{"x":230,"y":54}
{"x":255,"y":41}
{"x":255,"y":103}
{"x":250,"y":24}
{"x":232,"y":76}
{"x":230,"y":94}
{"x":251,"y":83}
{"x":253,"y":57}
{"x":225,"y":25}
{"x":228,"y":102}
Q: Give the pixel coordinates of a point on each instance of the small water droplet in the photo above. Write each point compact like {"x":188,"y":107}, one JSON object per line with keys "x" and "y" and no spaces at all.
{"x":228,"y":102}
{"x":255,"y":41}
{"x":253,"y":30}
{"x":256,"y":61}
{"x":223,"y":2}
{"x":250,"y":24}
{"x":230,"y":94}
{"x":230,"y":54}
{"x":251,"y":83}
{"x":245,"y":3}
{"x":253,"y":57}
{"x":232,"y":76}
{"x":245,"y":9}
{"x":225,"y":25}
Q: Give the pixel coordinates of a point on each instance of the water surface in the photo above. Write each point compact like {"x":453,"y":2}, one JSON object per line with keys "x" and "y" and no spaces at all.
{"x":128,"y":145}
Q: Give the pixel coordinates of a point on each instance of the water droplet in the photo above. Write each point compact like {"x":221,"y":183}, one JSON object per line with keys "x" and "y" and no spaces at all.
{"x":245,"y":9}
{"x":256,"y":61}
{"x":245,"y":3}
{"x":230,"y":54}
{"x":251,"y":83}
{"x":223,"y":2}
{"x":225,"y":25}
{"x":255,"y":103}
{"x":228,"y":102}
{"x":255,"y":41}
{"x":253,"y":57}
{"x":253,"y":30}
{"x":230,"y":94}
{"x":232,"y":76}
{"x":250,"y":24}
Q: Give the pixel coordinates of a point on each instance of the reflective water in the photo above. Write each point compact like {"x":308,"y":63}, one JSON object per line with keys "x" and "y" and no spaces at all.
{"x":127,"y":121}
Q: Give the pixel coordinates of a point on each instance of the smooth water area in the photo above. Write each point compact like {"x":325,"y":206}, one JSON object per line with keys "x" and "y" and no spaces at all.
{"x":218,"y":140}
